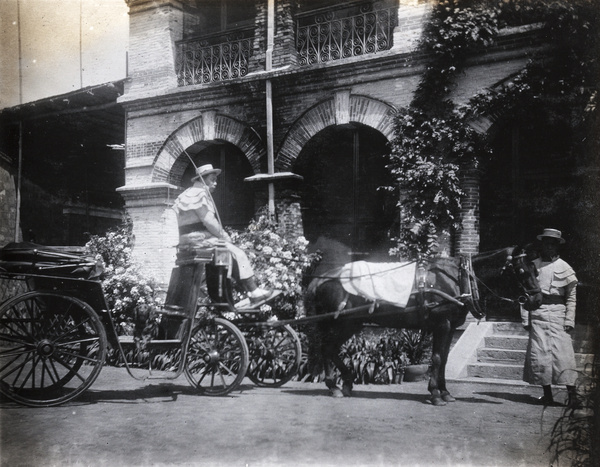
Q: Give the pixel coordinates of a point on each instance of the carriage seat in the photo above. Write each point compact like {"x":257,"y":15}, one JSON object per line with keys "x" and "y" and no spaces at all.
{"x":198,"y":267}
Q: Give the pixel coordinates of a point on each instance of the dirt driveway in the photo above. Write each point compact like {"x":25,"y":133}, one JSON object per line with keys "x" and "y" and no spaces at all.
{"x":122,"y":422}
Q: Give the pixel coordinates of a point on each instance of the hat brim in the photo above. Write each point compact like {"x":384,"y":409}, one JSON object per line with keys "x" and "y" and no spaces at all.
{"x":208,"y":172}
{"x":560,"y":239}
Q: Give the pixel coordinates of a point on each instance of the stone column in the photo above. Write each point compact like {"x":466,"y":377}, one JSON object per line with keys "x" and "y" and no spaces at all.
{"x":154,"y":226}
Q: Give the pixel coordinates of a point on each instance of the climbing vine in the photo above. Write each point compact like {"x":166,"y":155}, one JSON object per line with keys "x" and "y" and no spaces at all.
{"x":434,"y":141}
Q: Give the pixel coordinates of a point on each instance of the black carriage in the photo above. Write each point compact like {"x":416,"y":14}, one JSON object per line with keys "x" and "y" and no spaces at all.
{"x":56,"y":328}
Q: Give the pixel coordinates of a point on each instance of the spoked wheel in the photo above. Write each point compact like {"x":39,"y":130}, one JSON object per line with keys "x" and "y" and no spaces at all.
{"x":52,"y":348}
{"x":275,"y":354}
{"x":217,"y":357}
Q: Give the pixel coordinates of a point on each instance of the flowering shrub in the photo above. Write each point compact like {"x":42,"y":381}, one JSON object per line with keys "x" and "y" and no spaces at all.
{"x":279,"y":262}
{"x":124,"y":285}
{"x":427,"y":157}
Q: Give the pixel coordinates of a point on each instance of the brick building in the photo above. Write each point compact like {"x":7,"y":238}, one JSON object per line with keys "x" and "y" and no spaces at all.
{"x":275,"y":89}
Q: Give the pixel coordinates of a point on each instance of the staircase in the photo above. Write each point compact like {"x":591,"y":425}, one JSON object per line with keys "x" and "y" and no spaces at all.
{"x":495,"y":352}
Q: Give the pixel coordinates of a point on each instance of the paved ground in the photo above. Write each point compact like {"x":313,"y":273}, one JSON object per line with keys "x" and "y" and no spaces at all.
{"x":123,"y":422}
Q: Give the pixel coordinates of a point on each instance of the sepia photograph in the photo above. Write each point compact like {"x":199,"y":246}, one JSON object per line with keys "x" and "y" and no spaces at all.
{"x":289,"y":233}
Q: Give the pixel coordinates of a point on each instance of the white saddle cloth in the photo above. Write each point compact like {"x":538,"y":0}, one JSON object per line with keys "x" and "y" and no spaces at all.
{"x":391,"y":282}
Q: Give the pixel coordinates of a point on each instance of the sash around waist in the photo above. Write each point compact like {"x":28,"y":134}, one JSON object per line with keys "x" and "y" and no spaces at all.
{"x":195,"y":227}
{"x":552,"y":300}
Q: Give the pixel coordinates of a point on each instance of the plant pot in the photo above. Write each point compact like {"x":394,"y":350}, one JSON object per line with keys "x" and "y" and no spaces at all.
{"x":416,"y":372}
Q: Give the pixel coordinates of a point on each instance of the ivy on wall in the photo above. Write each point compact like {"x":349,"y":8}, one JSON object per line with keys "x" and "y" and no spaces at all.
{"x":434,"y":141}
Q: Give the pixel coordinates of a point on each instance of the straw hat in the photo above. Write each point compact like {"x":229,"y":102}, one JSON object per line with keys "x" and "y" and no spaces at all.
{"x":552,"y":233}
{"x":205,"y":170}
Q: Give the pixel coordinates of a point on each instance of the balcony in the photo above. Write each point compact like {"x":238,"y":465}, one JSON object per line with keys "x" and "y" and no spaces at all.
{"x":337,"y":34}
{"x":214,"y":58}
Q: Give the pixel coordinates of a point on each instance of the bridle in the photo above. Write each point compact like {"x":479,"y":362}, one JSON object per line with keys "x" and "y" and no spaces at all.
{"x":520,"y":270}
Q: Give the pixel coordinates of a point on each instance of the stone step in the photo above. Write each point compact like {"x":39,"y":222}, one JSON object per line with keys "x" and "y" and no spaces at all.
{"x":510,"y":342}
{"x":510,"y":328}
{"x":487,"y":355}
{"x":490,"y":355}
{"x":495,"y":371}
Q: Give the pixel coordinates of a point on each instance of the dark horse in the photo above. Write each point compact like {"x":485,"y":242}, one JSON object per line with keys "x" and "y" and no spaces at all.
{"x":444,"y":291}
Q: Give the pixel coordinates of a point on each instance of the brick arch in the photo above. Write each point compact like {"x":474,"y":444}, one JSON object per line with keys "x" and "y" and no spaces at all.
{"x":342,"y":109}
{"x":170,"y":162}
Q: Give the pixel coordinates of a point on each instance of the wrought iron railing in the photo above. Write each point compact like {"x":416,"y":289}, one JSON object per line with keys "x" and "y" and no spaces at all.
{"x":332,"y":38}
{"x":214,"y":58}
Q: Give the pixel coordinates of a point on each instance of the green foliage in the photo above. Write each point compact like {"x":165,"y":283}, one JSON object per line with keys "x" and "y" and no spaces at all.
{"x":375,"y":359}
{"x":376,"y":356}
{"x":574,"y":437}
{"x":416,"y":344}
{"x":434,"y":141}
{"x":125,"y":286}
{"x":279,"y":262}
{"x":427,"y":157}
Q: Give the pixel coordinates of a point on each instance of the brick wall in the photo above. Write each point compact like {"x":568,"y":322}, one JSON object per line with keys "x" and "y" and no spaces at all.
{"x":157,"y":109}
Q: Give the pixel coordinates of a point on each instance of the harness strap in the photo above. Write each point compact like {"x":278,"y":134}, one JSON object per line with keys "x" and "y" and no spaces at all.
{"x":468,"y":286}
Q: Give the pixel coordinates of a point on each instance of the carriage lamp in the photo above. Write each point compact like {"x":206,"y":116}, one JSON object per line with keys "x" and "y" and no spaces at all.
{"x":221,"y":256}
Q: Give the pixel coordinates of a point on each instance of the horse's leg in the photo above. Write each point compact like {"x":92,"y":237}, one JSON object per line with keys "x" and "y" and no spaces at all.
{"x":346,"y":375}
{"x":440,"y":338}
{"x":446,"y":396}
{"x":333,"y":360}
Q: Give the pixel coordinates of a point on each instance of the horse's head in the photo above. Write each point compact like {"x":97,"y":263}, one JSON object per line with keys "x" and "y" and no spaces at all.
{"x":525,"y":273}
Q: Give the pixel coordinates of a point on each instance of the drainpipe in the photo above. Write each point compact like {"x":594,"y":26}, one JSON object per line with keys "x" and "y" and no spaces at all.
{"x":269,"y":102}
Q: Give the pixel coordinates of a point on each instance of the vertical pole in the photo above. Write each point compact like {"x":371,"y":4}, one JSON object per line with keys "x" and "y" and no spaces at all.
{"x":269,"y":103}
{"x":20,"y":52}
{"x":20,"y":164}
{"x":80,"y":44}
{"x":20,"y":161}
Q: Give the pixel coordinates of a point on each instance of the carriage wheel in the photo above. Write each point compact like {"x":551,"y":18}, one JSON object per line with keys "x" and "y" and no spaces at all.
{"x":275,"y":354}
{"x":217,"y":357}
{"x":52,"y":348}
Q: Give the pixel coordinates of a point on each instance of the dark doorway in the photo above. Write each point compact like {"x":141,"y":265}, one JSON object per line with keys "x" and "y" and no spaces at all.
{"x":233,"y":197}
{"x":343,"y":168}
{"x":529,"y":184}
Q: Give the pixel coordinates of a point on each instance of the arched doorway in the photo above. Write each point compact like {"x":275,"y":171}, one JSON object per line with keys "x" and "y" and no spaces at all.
{"x":343,"y":167}
{"x":233,"y":197}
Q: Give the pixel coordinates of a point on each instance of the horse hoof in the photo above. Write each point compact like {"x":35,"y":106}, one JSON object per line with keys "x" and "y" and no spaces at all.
{"x":447,"y":397}
{"x":336,"y":392}
{"x":437,"y":401}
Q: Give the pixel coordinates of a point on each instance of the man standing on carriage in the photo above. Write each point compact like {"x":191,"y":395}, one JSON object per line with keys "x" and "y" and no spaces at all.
{"x":200,"y":227}
{"x":550,"y":357}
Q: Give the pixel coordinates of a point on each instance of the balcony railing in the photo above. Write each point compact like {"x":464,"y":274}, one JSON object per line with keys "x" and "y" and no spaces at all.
{"x":331,"y":38}
{"x":214,"y":58}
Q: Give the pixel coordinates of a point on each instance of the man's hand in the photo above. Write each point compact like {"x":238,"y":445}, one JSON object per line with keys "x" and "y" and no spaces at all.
{"x":568,"y":329}
{"x":527,"y":328}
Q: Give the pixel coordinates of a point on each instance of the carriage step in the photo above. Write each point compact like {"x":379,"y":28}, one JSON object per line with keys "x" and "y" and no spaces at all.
{"x":130,"y":340}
